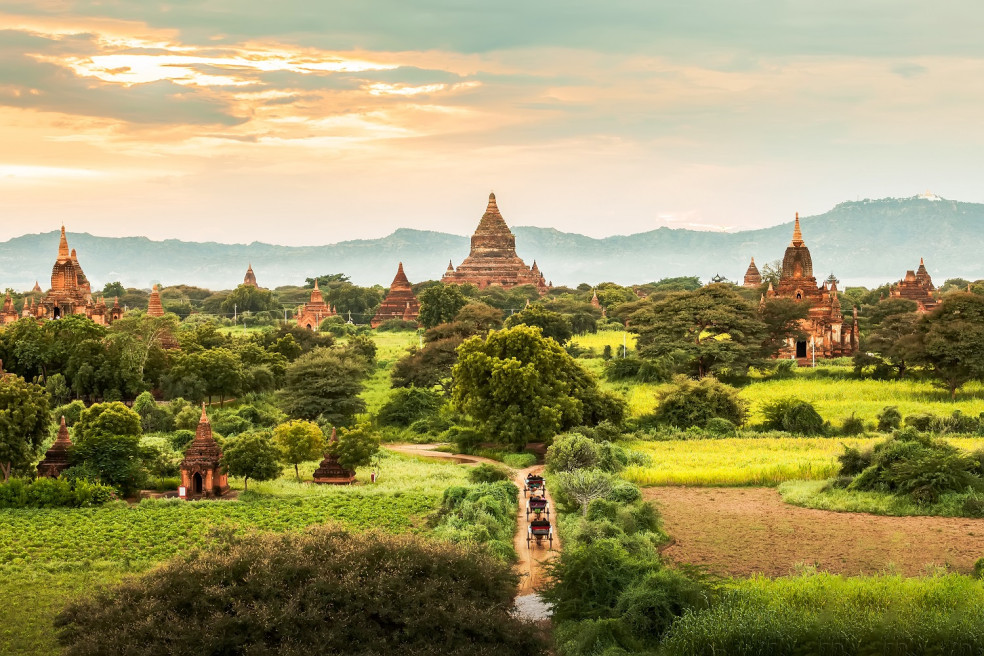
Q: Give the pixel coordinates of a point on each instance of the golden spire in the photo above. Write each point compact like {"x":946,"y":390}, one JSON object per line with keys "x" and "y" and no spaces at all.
{"x":797,"y":234}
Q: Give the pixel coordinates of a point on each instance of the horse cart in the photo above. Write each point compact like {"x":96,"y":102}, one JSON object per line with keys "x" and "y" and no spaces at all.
{"x":534,"y":484}
{"x":537,"y":506}
{"x":538,"y":531}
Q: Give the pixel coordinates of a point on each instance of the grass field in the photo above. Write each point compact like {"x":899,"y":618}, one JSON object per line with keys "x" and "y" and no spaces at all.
{"x":50,"y":555}
{"x":391,"y":346}
{"x":819,"y":495}
{"x":747,"y":461}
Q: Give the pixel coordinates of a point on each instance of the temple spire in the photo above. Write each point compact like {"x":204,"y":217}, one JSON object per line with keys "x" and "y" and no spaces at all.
{"x":63,"y":252}
{"x":797,"y":233}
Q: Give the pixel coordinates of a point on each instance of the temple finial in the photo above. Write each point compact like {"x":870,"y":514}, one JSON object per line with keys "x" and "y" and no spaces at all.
{"x":797,"y":233}
{"x":63,"y":252}
{"x":204,"y":416}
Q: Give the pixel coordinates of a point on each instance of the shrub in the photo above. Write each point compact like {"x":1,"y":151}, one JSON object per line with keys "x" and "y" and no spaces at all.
{"x":488,"y":473}
{"x":694,"y":403}
{"x":153,"y":418}
{"x":519,"y":460}
{"x":309,"y":589}
{"x":649,"y":606}
{"x":571,"y":452}
{"x":973,"y":506}
{"x":180,"y":439}
{"x":396,"y":325}
{"x":409,"y":404}
{"x":612,"y":458}
{"x":231,"y":424}
{"x":793,"y":416}
{"x":889,"y":419}
{"x":853,"y":461}
{"x":852,"y":425}
{"x":624,"y":492}
{"x":920,"y":422}
{"x":784,"y":369}
{"x":70,"y":411}
{"x":53,"y":493}
{"x":465,"y":438}
{"x":721,"y":426}
{"x":979,"y":569}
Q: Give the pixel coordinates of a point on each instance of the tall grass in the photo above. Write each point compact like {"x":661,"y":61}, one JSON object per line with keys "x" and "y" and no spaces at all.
{"x":820,"y":495}
{"x":827,"y":614}
{"x":765,"y":461}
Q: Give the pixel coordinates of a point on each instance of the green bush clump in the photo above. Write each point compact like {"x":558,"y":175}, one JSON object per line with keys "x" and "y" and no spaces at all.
{"x":695,"y":403}
{"x":889,"y":419}
{"x":70,"y":411}
{"x":407,"y":405}
{"x":488,"y":473}
{"x":53,"y":493}
{"x":426,"y":597}
{"x":480,"y":514}
{"x":638,"y":370}
{"x":792,"y":415}
{"x":852,"y":425}
{"x":519,"y":460}
{"x":721,"y":426}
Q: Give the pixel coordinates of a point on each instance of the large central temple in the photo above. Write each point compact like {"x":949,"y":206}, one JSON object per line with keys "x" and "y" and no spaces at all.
{"x":493,"y":259}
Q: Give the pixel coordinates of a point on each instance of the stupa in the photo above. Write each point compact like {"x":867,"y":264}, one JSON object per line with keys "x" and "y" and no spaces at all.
{"x":400,"y":301}
{"x":311,"y":314}
{"x":250,"y":279}
{"x":753,"y":278}
{"x":154,"y":306}
{"x":201,"y":469}
{"x":55,"y":459}
{"x":917,"y":286}
{"x":330,"y":471}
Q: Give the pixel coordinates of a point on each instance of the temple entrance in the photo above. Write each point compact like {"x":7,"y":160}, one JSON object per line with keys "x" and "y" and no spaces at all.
{"x":56,"y":313}
{"x":800,"y":349}
{"x":196,"y":483}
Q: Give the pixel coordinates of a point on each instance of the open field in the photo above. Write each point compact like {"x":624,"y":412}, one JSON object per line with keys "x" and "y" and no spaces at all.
{"x":739,"y":532}
{"x":391,"y":346}
{"x":49,"y":555}
{"x":748,"y":461}
{"x":819,"y":495}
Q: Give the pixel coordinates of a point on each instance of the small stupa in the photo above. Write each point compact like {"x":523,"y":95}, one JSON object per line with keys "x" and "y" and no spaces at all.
{"x":55,"y":459}
{"x":330,"y":471}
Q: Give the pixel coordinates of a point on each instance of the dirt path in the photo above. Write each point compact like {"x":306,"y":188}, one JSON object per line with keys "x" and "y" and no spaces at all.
{"x":741,"y":531}
{"x":532,"y":561}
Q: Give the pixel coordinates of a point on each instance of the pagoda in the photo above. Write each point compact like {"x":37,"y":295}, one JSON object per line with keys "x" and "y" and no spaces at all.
{"x":201,"y":469}
{"x":753,"y":278}
{"x":8,"y":313}
{"x":826,"y":336}
{"x":400,"y":302}
{"x":154,"y":306}
{"x":250,"y":279}
{"x":493,"y":259}
{"x":56,"y":459}
{"x":330,"y":471}
{"x":311,"y":314}
{"x":917,"y":286}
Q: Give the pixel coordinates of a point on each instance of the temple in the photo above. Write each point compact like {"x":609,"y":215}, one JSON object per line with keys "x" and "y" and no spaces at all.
{"x":753,"y":278}
{"x":201,"y":470}
{"x":154,"y":306}
{"x":56,"y":459}
{"x":917,"y":286}
{"x":311,"y":314}
{"x":493,"y":259}
{"x":250,"y":278}
{"x":330,"y":471}
{"x":826,"y":336}
{"x":400,"y":302}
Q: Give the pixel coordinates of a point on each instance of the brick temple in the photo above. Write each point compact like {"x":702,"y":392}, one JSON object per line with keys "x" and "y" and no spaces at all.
{"x":753,"y":278}
{"x":201,"y":469}
{"x":311,"y":314}
{"x":330,"y":471}
{"x":493,"y":259}
{"x":917,"y":286}
{"x":249,"y":280}
{"x":154,"y":306}
{"x":400,"y":302}
{"x":826,"y":336}
{"x":56,"y":458}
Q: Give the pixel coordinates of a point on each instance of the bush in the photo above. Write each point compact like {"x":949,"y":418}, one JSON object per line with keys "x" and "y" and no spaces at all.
{"x":979,"y":569}
{"x":694,"y":403}
{"x":624,"y":492}
{"x":409,"y":404}
{"x":852,"y":425}
{"x":570,"y":452}
{"x":70,"y":411}
{"x":519,"y":460}
{"x":488,"y":473}
{"x":612,"y":458}
{"x":889,"y":419}
{"x":396,"y":325}
{"x":480,"y":514}
{"x":153,"y":418}
{"x":973,"y":506}
{"x":792,"y":415}
{"x":53,"y":493}
{"x":721,"y":426}
{"x":465,"y":438}
{"x":920,"y":422}
{"x":649,"y":606}
{"x":309,"y":589}
{"x":231,"y":424}
{"x":180,"y":439}
{"x":785,"y":369}
{"x":854,"y":461}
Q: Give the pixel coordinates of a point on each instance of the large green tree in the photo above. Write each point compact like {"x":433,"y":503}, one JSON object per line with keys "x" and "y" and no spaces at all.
{"x":522,"y":386}
{"x":246,"y":298}
{"x":952,"y":336}
{"x":710,"y":330}
{"x":24,"y":422}
{"x":107,"y":445}
{"x":324,"y":385}
{"x":440,"y":304}
{"x":251,"y":455}
{"x":299,"y":441}
{"x":552,"y":324}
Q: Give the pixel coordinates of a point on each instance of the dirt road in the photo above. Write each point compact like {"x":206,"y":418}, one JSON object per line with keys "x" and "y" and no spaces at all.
{"x":743,"y":531}
{"x":532,"y":560}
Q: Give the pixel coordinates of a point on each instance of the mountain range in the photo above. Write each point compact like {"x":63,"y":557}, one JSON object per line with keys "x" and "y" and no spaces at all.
{"x":866,"y":242}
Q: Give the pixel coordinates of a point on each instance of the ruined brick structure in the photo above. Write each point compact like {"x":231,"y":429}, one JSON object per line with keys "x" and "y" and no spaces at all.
{"x":330,"y":471}
{"x":493,"y":259}
{"x":55,"y":459}
{"x":826,"y":336}
{"x":753,"y":278}
{"x":400,"y":301}
{"x":201,"y":471}
{"x":311,"y":314}
{"x":917,"y":286}
{"x":250,"y":279}
{"x":154,"y":306}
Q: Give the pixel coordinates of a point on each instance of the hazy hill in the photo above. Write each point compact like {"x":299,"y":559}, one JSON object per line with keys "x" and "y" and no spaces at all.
{"x":865,"y":242}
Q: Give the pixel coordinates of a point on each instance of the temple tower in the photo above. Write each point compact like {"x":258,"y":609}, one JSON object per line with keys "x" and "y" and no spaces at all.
{"x":55,"y":459}
{"x":400,"y":301}
{"x":201,"y":470}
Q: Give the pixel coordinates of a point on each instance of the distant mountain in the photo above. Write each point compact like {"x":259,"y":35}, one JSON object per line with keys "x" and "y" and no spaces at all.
{"x":867,"y":242}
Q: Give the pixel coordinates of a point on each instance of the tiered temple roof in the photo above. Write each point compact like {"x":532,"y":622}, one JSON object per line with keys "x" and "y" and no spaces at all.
{"x":55,"y":459}
{"x":250,"y":279}
{"x":311,"y":314}
{"x":493,"y":259}
{"x":400,"y":301}
{"x":154,"y":306}
{"x":752,"y":276}
{"x":917,"y":286}
{"x":201,"y":471}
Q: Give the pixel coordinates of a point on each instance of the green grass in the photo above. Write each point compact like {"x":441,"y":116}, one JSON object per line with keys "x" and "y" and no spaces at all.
{"x":765,"y":461}
{"x":391,"y":346}
{"x":820,"y":495}
{"x":823,"y":613}
{"x":49,"y":555}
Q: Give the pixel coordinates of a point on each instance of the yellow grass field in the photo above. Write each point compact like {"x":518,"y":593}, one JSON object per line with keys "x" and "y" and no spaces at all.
{"x":748,"y":461}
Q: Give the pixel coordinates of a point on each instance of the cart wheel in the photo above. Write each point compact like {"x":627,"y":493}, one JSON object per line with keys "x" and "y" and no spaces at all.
{"x":529,"y":543}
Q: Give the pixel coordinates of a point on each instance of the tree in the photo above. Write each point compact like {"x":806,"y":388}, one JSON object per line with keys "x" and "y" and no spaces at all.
{"x":355,"y":447}
{"x":479,"y":317}
{"x":694,"y":403}
{"x":572,"y":452}
{"x":246,"y":298}
{"x":114,"y":290}
{"x":771,"y":273}
{"x":428,"y":366}
{"x":107,"y":446}
{"x":552,"y":324}
{"x":251,"y":455}
{"x":521,"y":386}
{"x":711,"y":329}
{"x":299,"y":441}
{"x":324,"y":384}
{"x":440,"y":304}
{"x":782,"y":317}
{"x":896,"y":341}
{"x":585,"y":485}
{"x":107,"y":419}
{"x":222,"y":372}
{"x":952,"y":336}
{"x":24,"y":423}
{"x":326,"y":280}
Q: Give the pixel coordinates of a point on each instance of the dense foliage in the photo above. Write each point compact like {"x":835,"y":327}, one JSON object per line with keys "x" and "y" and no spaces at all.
{"x":24,"y":423}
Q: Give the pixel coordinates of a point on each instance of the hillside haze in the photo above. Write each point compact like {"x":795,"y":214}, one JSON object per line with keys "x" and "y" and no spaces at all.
{"x":866,"y":242}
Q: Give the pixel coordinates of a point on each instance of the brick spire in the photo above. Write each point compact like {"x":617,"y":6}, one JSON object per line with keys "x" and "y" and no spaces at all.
{"x":797,"y":233}
{"x":154,"y":306}
{"x":63,"y":252}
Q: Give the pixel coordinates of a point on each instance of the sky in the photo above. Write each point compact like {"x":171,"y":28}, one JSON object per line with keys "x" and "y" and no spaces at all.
{"x":301,"y":123}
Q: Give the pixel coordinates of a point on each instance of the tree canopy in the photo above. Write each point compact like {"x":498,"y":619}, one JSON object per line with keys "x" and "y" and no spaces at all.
{"x":24,"y":423}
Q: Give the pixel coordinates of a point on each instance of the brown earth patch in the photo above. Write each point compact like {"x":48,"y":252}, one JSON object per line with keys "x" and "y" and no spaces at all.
{"x":744,"y":531}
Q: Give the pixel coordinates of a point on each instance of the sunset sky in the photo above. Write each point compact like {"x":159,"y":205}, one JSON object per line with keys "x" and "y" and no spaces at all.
{"x":302,"y":122}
